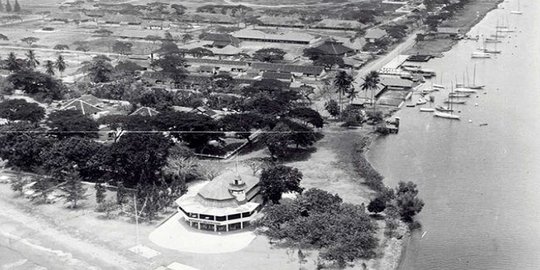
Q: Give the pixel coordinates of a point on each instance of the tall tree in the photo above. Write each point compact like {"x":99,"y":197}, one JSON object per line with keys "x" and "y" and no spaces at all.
{"x":277,"y":180}
{"x":60,"y":64}
{"x":30,"y":40}
{"x":407,"y":201}
{"x":371,"y":82}
{"x":1,"y":6}
{"x":100,"y":192}
{"x":12,"y":63}
{"x":31,"y":59}
{"x":137,"y":158}
{"x":73,"y":188}
{"x":8,"y":6}
{"x":100,"y":69}
{"x":123,"y":48}
{"x":49,"y":67}
{"x":343,"y":83}
{"x":17,"y":7}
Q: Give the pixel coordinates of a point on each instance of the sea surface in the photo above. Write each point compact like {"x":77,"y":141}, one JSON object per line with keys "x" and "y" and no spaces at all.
{"x":481,"y":184}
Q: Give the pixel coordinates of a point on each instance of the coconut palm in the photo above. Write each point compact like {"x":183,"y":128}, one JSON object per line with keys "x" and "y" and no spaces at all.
{"x":31,"y":59}
{"x":49,"y":67}
{"x":371,"y":82}
{"x":343,"y":83}
{"x":60,"y":64}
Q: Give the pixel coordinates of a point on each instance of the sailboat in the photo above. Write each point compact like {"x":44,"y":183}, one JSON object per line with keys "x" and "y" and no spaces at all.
{"x":431,"y":99}
{"x":518,"y":11}
{"x":473,"y":86}
{"x":446,"y":113}
{"x":481,"y":54}
{"x":505,"y":28}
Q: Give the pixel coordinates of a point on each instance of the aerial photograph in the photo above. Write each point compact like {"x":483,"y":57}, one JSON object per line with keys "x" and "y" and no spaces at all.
{"x":269,"y":134}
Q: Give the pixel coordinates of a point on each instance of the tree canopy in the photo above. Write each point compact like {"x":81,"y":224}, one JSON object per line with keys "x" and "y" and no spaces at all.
{"x":317,"y":219}
{"x":269,"y":54}
{"x":278,"y":180}
{"x":20,"y":109}
{"x":69,"y":123}
{"x":37,"y":84}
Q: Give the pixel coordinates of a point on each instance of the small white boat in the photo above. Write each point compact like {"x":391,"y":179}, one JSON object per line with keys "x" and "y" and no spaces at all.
{"x":492,"y":40}
{"x":438,"y":86}
{"x":516,"y":12}
{"x":465,"y":90}
{"x":480,"y":55}
{"x":446,"y":115}
{"x":458,"y":95}
{"x":427,"y":109}
{"x":443,"y":109}
{"x":497,"y":35}
{"x":421,"y":101}
{"x":453,"y":101}
{"x":411,"y":105}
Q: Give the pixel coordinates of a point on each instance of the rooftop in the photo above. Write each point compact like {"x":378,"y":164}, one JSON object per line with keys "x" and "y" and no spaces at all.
{"x":284,"y":36}
{"x":375,"y":33}
{"x":333,"y":48}
{"x":311,"y":70}
{"x":145,"y":111}
{"x":82,"y":106}
{"x":217,"y":190}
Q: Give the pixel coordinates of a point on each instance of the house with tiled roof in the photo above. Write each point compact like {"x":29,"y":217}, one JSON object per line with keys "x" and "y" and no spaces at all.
{"x":227,"y":203}
{"x":334,"y":48}
{"x":145,"y":111}
{"x":375,"y":34}
{"x":221,"y":40}
{"x":83,"y":107}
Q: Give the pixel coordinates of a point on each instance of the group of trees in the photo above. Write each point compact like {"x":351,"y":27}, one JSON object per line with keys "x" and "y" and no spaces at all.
{"x":66,"y":154}
{"x":317,"y":219}
{"x":24,"y":76}
{"x":321,"y":59}
{"x":8,"y":8}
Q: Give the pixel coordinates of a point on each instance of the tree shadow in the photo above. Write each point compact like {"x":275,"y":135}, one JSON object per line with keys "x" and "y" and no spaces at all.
{"x":298,"y":154}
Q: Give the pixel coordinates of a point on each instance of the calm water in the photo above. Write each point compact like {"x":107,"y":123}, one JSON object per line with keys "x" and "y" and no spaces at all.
{"x":481,"y":185}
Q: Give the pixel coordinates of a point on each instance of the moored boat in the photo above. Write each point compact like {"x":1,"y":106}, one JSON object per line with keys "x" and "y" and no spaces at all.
{"x":480,"y":55}
{"x":427,"y":109}
{"x":465,"y":90}
{"x":458,"y":95}
{"x":453,"y":101}
{"x":446,"y":115}
{"x":443,"y":109}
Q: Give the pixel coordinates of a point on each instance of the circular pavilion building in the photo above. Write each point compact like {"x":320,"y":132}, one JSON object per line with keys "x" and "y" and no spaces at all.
{"x":224,"y":204}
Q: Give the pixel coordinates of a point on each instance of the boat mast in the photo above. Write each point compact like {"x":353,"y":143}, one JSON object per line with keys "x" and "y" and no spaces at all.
{"x":474,"y":76}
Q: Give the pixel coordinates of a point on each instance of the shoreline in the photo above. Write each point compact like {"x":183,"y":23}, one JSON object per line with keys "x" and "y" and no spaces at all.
{"x":406,"y":237}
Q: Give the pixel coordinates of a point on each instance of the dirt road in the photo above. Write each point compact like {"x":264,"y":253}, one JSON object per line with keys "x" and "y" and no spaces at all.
{"x":29,"y":242}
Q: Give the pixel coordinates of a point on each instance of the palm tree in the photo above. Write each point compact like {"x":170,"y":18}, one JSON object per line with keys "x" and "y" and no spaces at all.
{"x":12,"y":63}
{"x":60,"y":64}
{"x":352,"y":94}
{"x":343,"y":82}
{"x":31,"y":60}
{"x":49,"y":67}
{"x":371,"y":82}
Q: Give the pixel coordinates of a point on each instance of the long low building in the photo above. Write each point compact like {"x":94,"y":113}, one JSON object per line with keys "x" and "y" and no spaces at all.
{"x":226,"y":203}
{"x":297,"y":70}
{"x":274,"y":37}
